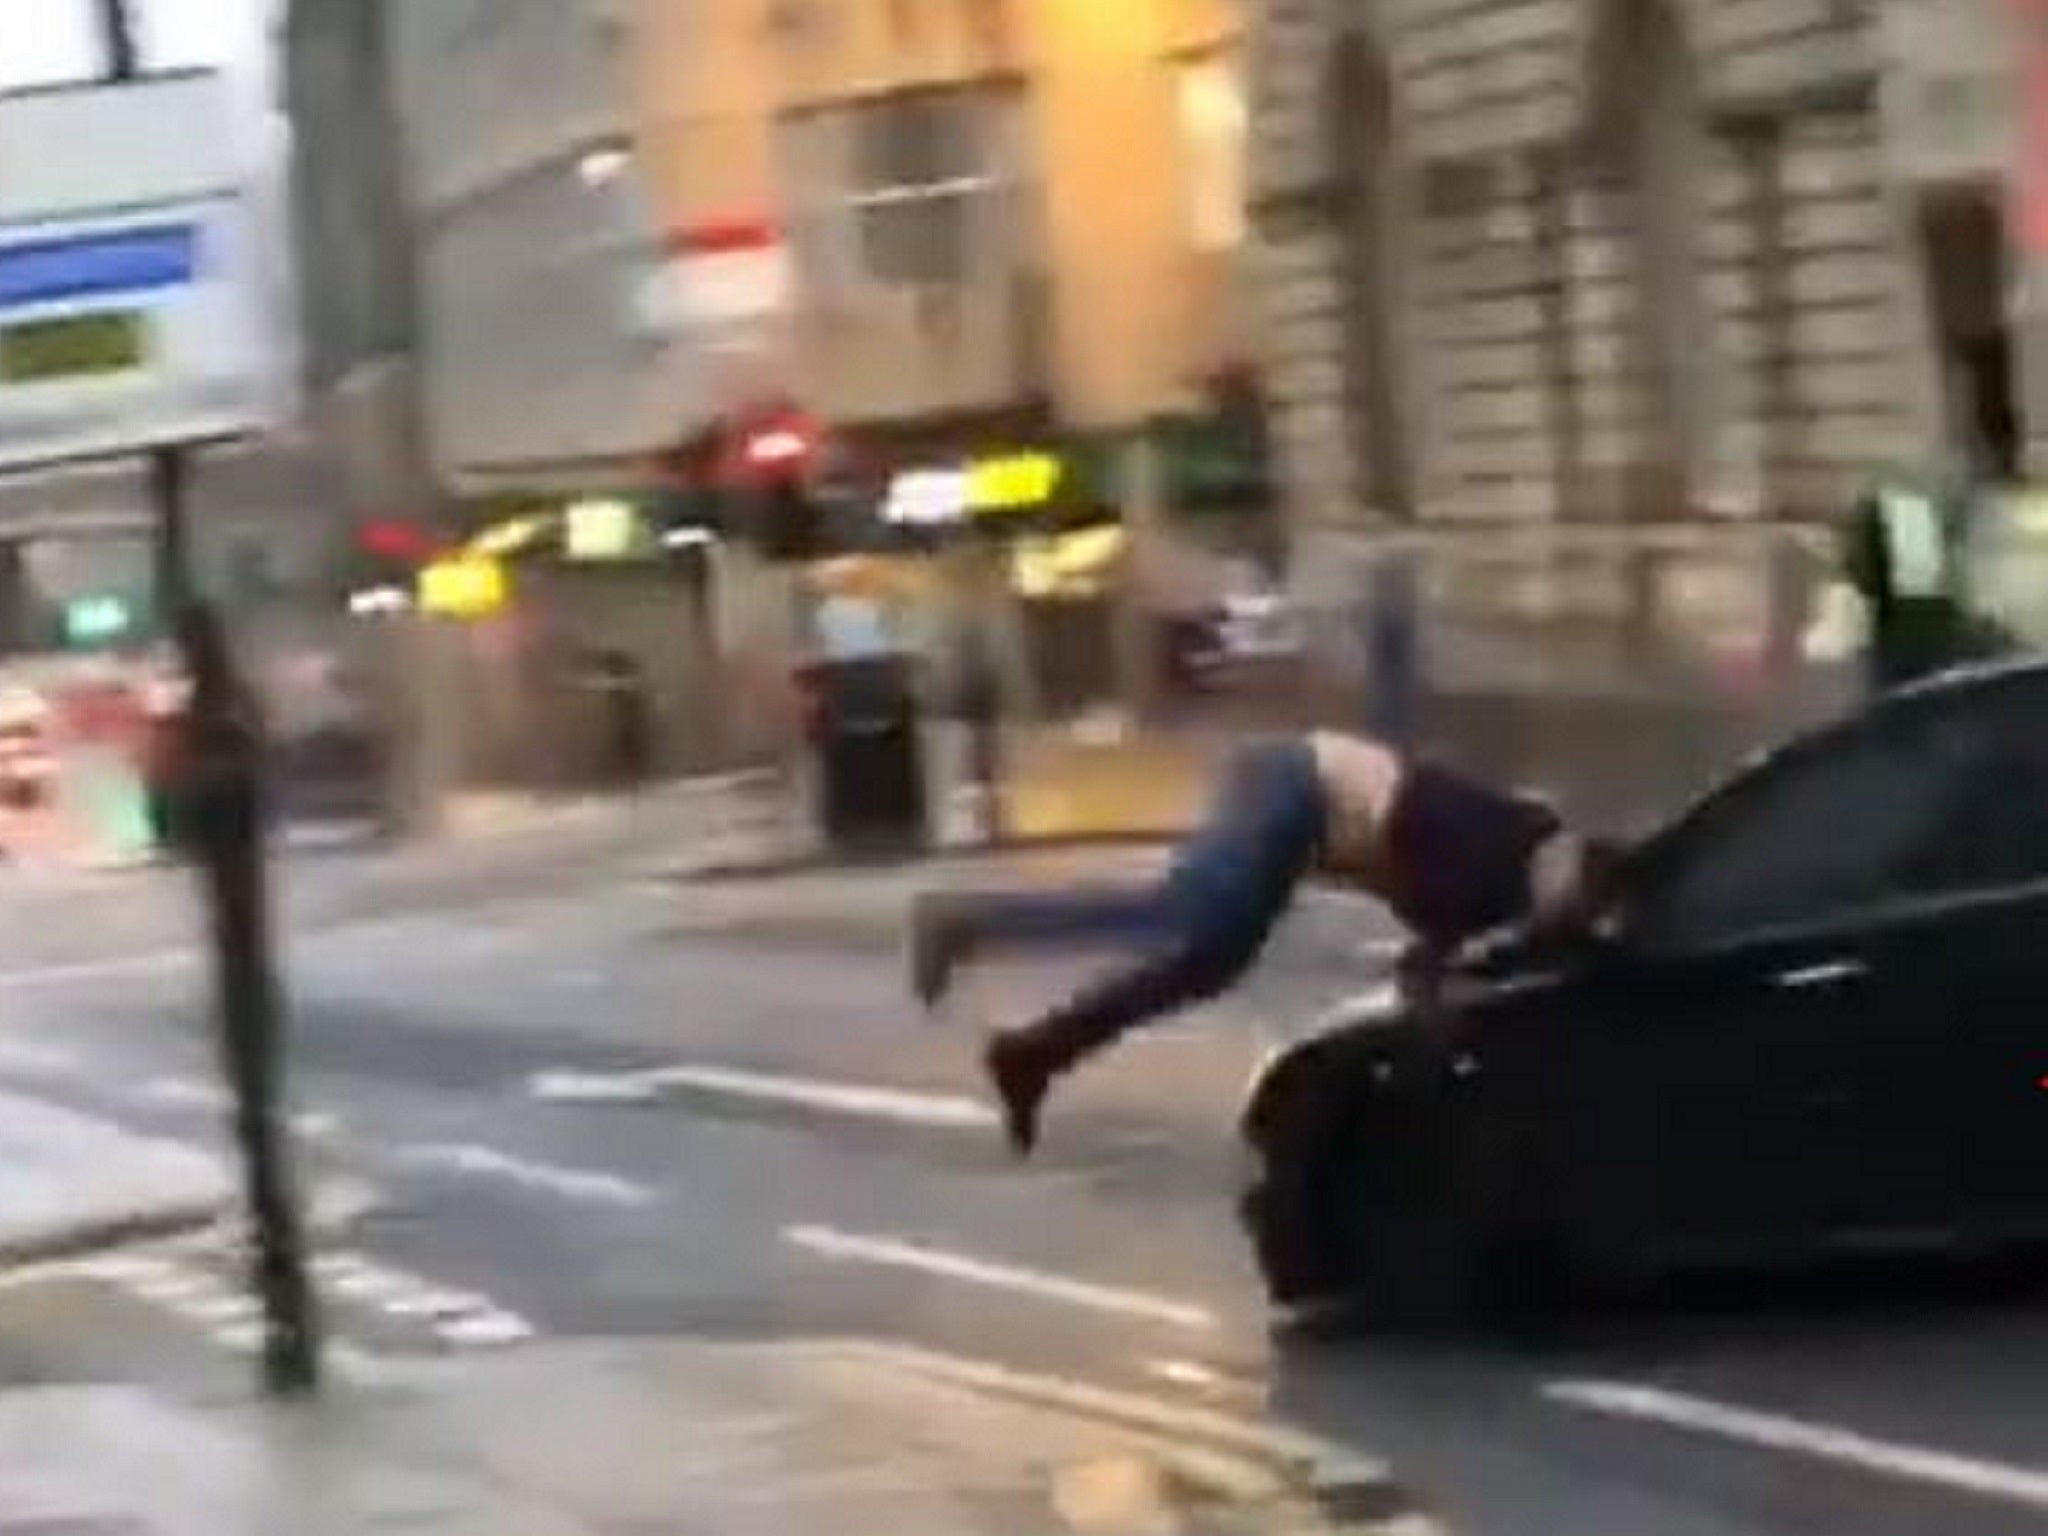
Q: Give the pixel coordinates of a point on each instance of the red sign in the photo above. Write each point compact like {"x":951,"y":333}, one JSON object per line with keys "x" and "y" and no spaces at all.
{"x":723,"y":237}
{"x":390,"y":539}
{"x":773,"y":446}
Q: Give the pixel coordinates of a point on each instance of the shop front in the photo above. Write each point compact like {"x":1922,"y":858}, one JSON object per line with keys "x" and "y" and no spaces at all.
{"x":572,"y":645}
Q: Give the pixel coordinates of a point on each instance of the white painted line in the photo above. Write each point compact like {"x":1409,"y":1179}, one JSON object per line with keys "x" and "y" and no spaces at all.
{"x":486,"y":1328}
{"x":333,"y":1266}
{"x":1892,"y":1459}
{"x":431,"y":1302}
{"x":900,"y":1106}
{"x":372,"y":1287}
{"x":569,"y":1183}
{"x":225,"y":1308}
{"x":593,"y":1088}
{"x":185,"y":1092}
{"x":148,"y":963}
{"x":123,"y":1268}
{"x":174,"y":1288}
{"x":851,"y":1247}
{"x":1188,"y":1373}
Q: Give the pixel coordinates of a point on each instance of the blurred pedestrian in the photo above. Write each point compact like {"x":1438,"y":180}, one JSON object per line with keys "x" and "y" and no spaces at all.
{"x":1452,"y":858}
{"x":1908,"y":557}
{"x":979,"y":698}
{"x":619,"y":683}
{"x":1393,"y":652}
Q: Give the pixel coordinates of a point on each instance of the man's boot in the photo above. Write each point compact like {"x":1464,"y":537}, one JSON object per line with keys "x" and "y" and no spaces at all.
{"x":1022,"y":1064}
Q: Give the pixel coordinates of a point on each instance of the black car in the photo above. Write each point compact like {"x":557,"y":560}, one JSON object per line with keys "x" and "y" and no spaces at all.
{"x":1814,"y":1020}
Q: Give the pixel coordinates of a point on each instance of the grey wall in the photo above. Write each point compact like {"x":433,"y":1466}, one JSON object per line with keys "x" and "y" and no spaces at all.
{"x":356,"y":288}
{"x":530,"y":276}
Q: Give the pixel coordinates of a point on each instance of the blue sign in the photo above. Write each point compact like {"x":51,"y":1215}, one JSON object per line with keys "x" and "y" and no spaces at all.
{"x":122,"y":261}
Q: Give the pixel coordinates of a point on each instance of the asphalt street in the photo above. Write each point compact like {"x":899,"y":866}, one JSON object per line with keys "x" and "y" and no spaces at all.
{"x":555,"y":1111}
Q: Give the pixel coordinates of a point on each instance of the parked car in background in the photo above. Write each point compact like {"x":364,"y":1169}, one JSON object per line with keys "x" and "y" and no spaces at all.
{"x":1811,"y":1022}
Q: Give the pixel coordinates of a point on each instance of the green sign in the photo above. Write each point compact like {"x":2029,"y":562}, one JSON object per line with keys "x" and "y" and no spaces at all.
{"x":97,"y":620}
{"x":71,"y":346}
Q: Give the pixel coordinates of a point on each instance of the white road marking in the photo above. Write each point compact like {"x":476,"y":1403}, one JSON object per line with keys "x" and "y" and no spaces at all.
{"x":147,"y":963}
{"x":329,"y":1267}
{"x":851,"y":1247}
{"x":593,"y":1088}
{"x":489,"y":1327}
{"x":232,"y":1318}
{"x":429,"y":1303}
{"x":1188,"y":1373}
{"x":900,"y":1106}
{"x":223,"y":1309}
{"x":169,"y":1288}
{"x":373,"y":1287}
{"x":186,"y":1092}
{"x":1802,"y":1437}
{"x":570,"y":1183}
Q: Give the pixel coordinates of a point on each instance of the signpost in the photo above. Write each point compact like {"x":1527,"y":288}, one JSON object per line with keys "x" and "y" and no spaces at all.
{"x":130,"y":273}
{"x":130,"y":323}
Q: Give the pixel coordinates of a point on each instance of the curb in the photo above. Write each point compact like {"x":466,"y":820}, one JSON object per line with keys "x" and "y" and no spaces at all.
{"x":764,"y":871}
{"x":86,"y":1239}
{"x":1296,"y":1469}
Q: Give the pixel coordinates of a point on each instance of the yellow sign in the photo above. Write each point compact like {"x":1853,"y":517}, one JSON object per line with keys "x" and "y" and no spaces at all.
{"x":510,"y":536}
{"x":1012,"y":482}
{"x":463,"y":587}
{"x":1071,"y":565}
{"x":602,"y":530}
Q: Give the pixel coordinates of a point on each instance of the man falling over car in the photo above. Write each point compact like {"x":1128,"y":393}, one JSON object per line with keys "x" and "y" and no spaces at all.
{"x":1451,"y":858}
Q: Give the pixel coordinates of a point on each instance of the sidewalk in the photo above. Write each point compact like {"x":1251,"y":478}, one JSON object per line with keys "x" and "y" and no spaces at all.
{"x":600,"y":1439}
{"x":74,"y":1183}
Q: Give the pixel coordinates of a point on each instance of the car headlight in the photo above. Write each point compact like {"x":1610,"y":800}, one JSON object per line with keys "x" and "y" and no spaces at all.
{"x":1378,"y":1005}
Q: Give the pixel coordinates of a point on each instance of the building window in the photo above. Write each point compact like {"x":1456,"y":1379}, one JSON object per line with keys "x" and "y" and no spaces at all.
{"x":1209,"y":94}
{"x":924,"y":164}
{"x":905,"y":190}
{"x":1654,"y":109}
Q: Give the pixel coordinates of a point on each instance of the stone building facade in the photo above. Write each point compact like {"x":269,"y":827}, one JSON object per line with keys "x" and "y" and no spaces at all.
{"x":1585,"y":259}
{"x":1610,"y":305}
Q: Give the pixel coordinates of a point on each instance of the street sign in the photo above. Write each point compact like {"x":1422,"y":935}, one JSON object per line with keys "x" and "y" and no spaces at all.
{"x":131,"y":272}
{"x":93,"y":621}
{"x":721,"y":278}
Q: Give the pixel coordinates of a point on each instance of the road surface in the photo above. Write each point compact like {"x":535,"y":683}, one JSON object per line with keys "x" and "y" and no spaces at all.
{"x":559,"y":1109}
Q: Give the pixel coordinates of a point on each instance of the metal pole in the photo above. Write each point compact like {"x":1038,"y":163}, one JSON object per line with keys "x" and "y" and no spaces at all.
{"x":221,"y":789}
{"x":117,"y":32}
{"x":170,"y":531}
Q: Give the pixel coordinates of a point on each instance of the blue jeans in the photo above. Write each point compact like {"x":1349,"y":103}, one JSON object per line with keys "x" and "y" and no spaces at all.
{"x":1199,"y":927}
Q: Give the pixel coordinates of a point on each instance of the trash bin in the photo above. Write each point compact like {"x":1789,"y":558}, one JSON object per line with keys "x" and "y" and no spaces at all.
{"x":864,"y":730}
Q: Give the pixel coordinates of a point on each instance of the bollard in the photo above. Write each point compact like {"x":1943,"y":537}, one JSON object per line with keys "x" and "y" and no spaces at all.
{"x":226,"y":823}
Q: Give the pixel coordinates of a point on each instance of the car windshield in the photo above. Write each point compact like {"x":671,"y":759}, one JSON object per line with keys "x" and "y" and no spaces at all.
{"x":1931,"y":795}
